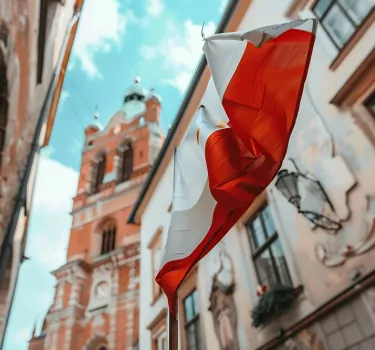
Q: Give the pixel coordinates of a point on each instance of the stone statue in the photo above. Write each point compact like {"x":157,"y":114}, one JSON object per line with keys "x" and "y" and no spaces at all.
{"x":222,"y":304}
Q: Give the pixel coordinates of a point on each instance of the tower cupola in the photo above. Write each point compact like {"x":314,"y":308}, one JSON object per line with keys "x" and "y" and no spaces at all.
{"x":134,"y":100}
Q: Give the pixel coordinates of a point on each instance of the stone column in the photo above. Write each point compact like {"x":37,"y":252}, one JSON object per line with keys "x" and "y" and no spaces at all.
{"x":116,"y":166}
{"x":68,"y":333}
{"x":59,"y":295}
{"x":113,"y":310}
{"x":130,"y":307}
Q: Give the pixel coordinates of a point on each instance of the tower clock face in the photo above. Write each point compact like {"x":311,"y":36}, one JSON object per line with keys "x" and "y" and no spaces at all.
{"x":101,"y":290}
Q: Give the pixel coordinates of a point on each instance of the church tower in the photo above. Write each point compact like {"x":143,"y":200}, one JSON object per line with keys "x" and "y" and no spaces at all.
{"x":96,"y":299}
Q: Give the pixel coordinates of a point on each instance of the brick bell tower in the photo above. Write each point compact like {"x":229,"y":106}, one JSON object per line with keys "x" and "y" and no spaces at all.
{"x":96,"y":299}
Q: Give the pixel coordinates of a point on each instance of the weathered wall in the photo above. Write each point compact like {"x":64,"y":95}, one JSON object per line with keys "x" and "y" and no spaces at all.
{"x":19,"y":22}
{"x":25,"y":96}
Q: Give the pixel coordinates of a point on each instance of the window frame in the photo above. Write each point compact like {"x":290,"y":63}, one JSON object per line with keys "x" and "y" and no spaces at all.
{"x":357,"y":27}
{"x":158,"y":328}
{"x":42,"y":33}
{"x":127,"y":163}
{"x":195,"y":320}
{"x":100,"y":173}
{"x":270,"y":239}
{"x":108,"y":238}
{"x":3,"y":126}
{"x":370,"y":97}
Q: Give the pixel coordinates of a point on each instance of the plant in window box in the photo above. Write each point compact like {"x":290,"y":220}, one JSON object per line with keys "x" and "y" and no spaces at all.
{"x":273,"y":300}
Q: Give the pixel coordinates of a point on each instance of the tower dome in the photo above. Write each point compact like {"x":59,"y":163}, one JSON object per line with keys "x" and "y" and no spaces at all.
{"x":154,"y":95}
{"x":134,"y":100}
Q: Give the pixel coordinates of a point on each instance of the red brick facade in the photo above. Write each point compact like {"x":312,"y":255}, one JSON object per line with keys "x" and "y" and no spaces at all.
{"x":97,"y":291}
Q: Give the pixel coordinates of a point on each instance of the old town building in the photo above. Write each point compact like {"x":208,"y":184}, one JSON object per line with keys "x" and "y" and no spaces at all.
{"x":35,"y":43}
{"x":96,"y":304}
{"x":297,"y":270}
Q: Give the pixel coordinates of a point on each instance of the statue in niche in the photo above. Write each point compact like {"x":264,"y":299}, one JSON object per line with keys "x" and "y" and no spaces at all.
{"x":222,"y":304}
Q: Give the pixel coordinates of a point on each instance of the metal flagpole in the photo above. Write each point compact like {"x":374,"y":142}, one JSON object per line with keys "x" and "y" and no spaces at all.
{"x":173,"y":331}
{"x":173,"y":320}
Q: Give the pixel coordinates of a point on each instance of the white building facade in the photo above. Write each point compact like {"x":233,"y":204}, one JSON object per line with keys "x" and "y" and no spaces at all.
{"x":312,"y":231}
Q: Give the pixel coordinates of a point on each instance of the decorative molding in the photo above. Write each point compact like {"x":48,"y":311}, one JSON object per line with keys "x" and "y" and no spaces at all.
{"x":161,"y":317}
{"x":336,"y":253}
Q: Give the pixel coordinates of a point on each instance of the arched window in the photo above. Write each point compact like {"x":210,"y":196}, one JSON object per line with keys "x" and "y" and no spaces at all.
{"x":100,"y":172}
{"x":108,"y":237}
{"x":127,"y":164}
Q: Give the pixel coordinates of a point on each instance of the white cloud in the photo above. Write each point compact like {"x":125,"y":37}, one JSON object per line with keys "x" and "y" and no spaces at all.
{"x":76,"y":146}
{"x":101,"y":28}
{"x":47,"y":238}
{"x":64,"y":96}
{"x":181,"y":81}
{"x":48,"y":151}
{"x":223,"y":5}
{"x":155,"y":7}
{"x":48,"y":235}
{"x":54,"y":188}
{"x":23,"y":335}
{"x":180,"y":52}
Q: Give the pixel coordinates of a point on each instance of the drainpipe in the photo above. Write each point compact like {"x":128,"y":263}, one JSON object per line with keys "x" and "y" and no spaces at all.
{"x":20,"y":202}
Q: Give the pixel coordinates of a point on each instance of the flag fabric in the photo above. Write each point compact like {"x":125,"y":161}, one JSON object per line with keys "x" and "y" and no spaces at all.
{"x":237,"y":140}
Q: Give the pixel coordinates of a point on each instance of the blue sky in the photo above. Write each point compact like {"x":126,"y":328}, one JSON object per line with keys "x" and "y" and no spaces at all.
{"x":158,"y":40}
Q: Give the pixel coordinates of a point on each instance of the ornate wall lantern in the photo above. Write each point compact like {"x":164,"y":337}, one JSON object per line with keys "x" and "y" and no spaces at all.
{"x":312,"y":203}
{"x":287,"y":184}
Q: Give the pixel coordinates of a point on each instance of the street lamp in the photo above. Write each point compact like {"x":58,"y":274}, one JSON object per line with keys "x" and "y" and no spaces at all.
{"x":287,"y":184}
{"x":313,"y":205}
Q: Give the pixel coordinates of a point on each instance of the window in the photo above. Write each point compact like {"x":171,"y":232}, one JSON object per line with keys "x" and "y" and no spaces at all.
{"x":100,"y":172}
{"x":108,"y":238}
{"x":127,"y":164}
{"x":370,"y":104}
{"x":267,"y":252}
{"x":160,"y":343}
{"x":158,"y":329}
{"x":41,"y":38}
{"x":191,"y":311}
{"x":342,"y":18}
{"x":156,"y":256}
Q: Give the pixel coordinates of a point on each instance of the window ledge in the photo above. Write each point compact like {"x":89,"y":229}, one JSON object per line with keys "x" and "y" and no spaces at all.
{"x":298,"y":293}
{"x":348,"y":47}
{"x":156,"y":298}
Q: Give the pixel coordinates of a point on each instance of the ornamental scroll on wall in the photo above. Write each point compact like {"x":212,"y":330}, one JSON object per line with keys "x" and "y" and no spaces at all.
{"x":313,"y":153}
{"x":222,"y":303}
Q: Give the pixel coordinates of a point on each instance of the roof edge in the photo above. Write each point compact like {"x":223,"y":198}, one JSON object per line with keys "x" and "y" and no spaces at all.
{"x":231,"y":7}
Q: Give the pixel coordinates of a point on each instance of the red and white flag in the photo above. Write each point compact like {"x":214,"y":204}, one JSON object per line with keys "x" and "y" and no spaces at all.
{"x":237,"y":140}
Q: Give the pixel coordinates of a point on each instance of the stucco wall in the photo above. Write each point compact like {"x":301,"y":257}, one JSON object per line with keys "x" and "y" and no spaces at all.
{"x":155,"y":217}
